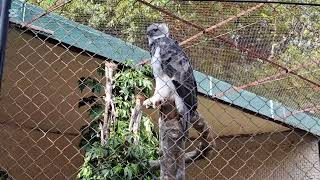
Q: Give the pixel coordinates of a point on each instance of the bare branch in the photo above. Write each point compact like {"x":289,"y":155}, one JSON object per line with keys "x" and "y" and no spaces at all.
{"x":172,"y":143}
{"x":212,"y":28}
{"x":109,"y":67}
{"x":203,"y":147}
{"x":51,"y":9}
{"x":32,"y":27}
{"x":136,"y":116}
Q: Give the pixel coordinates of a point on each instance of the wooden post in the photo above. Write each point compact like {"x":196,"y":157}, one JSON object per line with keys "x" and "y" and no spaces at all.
{"x":136,"y":116}
{"x":204,"y":145}
{"x":104,"y":126}
{"x":172,"y":143}
{"x":4,"y":22}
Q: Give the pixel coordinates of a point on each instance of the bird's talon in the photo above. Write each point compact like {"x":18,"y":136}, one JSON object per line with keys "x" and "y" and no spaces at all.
{"x":147,"y":103}
{"x":150,"y":103}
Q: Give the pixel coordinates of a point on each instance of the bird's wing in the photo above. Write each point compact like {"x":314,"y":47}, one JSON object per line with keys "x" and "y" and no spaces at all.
{"x":176,"y":64}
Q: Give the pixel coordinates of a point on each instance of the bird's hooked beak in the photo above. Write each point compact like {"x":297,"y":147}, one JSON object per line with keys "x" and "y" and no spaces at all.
{"x":149,"y":33}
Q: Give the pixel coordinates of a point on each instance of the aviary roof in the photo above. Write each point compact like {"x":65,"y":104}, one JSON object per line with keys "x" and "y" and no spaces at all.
{"x":91,"y":40}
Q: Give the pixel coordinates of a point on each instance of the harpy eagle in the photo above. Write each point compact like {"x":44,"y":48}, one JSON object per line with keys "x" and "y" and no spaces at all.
{"x":173,"y":74}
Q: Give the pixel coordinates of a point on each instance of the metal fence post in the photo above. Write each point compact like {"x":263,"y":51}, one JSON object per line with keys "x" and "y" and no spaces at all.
{"x":4,"y":22}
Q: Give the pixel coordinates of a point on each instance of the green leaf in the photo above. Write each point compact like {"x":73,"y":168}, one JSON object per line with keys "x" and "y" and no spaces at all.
{"x":118,"y":169}
{"x":128,"y":172}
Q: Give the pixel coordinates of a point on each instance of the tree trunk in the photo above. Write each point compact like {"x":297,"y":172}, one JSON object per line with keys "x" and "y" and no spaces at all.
{"x":136,"y":116}
{"x":172,"y":143}
{"x":108,"y":116}
{"x":204,"y":143}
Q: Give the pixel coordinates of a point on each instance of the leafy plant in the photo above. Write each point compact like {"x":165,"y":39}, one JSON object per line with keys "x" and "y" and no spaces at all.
{"x":120,"y":157}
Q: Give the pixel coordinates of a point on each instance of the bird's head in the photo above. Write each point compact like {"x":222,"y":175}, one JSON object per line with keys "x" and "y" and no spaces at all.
{"x":157,"y":30}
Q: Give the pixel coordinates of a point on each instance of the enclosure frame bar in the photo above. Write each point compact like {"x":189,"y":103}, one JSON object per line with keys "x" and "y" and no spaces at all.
{"x":4,"y":23}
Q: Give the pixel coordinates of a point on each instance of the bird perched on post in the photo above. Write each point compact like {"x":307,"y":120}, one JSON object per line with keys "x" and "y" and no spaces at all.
{"x":173,"y":74}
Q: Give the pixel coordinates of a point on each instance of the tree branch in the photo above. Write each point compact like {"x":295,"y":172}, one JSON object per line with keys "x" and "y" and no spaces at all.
{"x":136,"y":116}
{"x":104,"y":126}
{"x":57,"y":5}
{"x":172,"y":143}
{"x":203,"y":147}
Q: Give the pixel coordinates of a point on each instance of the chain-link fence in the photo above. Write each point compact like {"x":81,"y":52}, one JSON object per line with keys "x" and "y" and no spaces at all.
{"x":77,"y":73}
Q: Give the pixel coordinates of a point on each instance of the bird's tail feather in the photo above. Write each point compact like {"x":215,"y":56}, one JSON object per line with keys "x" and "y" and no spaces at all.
{"x":186,"y":122}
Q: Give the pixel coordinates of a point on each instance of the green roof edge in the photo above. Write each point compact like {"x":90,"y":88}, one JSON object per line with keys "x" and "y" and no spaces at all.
{"x":89,"y":39}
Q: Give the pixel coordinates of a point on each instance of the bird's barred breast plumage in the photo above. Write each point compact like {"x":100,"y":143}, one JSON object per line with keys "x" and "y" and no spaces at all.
{"x":174,"y":63}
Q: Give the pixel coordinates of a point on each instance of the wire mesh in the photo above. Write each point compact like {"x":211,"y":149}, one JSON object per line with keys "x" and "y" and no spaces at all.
{"x":257,"y":72}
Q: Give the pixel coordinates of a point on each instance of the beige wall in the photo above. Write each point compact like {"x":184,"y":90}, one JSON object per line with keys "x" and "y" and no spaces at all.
{"x":226,"y":120}
{"x":275,"y":156}
{"x":40,"y":87}
{"x":29,"y":154}
{"x":40,"y":94}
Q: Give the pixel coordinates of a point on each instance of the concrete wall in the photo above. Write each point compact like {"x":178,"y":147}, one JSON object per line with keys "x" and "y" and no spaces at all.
{"x":30,"y":154}
{"x":275,"y":156}
{"x":40,"y":84}
{"x":39,"y":114}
